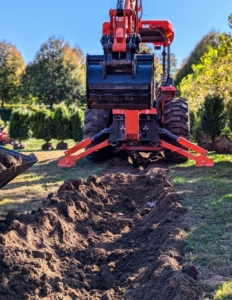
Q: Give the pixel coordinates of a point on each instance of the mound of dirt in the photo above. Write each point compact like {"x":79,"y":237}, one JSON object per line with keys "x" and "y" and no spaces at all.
{"x":223,"y":145}
{"x":7,"y":161}
{"x":117,"y":236}
{"x":62,"y":146}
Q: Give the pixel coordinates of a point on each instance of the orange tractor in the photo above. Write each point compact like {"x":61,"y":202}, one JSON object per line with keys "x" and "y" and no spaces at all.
{"x":126,"y":109}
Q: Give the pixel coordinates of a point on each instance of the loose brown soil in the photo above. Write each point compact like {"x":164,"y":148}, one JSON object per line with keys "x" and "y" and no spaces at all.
{"x":7,"y":161}
{"x":118,"y":236}
{"x":62,"y":146}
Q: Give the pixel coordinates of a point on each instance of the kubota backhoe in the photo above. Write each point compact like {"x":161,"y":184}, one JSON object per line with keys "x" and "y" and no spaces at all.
{"x":126,"y":109}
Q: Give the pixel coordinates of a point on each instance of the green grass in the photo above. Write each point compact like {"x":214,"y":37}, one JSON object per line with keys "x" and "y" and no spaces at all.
{"x":224,"y":292}
{"x":207,"y":193}
{"x":36,"y":144}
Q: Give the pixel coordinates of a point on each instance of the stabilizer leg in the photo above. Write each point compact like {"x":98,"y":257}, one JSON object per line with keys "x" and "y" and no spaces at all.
{"x":70,"y":160}
{"x":201,"y":160}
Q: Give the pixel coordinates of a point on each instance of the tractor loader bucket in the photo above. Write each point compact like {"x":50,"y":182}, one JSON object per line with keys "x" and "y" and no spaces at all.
{"x":120,"y":84}
{"x":13,"y":163}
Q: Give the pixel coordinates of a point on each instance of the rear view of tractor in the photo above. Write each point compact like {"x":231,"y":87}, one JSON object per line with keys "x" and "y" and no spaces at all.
{"x":127,"y":108}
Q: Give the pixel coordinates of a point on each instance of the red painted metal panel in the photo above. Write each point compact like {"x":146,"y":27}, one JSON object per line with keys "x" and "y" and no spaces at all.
{"x":152,"y":111}
{"x":168,"y":89}
{"x":150,"y":25}
{"x":132,"y":125}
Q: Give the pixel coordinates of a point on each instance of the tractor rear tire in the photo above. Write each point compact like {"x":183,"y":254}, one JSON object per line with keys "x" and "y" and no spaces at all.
{"x":176,"y":120}
{"x":95,"y":121}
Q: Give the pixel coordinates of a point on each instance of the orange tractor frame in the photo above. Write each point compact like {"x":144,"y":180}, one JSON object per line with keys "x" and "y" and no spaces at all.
{"x":126,"y":110}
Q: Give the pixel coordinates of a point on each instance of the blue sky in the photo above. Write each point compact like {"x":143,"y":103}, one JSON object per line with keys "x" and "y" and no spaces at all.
{"x":29,"y":23}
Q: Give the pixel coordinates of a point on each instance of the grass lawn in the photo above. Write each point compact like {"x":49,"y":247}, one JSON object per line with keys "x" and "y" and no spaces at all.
{"x":207,"y":193}
{"x":36,"y":145}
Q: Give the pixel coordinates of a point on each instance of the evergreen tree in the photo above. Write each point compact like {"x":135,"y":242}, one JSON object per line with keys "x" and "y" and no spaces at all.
{"x":76,"y":125}
{"x":229,"y":113}
{"x":62,"y":124}
{"x":19,"y":128}
{"x":213,"y":117}
{"x":42,"y":125}
{"x":2,"y":123}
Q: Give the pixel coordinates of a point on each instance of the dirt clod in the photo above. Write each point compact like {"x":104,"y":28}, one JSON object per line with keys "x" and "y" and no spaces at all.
{"x":7,"y":161}
{"x":98,"y":239}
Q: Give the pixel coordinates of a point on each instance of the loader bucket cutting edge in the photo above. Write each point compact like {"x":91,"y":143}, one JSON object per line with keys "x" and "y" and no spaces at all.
{"x":9,"y":174}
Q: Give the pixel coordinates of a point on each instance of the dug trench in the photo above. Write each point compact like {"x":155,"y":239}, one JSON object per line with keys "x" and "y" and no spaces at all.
{"x":116,"y":236}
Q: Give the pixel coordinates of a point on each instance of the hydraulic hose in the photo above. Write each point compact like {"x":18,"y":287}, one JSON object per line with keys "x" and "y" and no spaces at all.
{"x":123,"y":4}
{"x":120,"y":4}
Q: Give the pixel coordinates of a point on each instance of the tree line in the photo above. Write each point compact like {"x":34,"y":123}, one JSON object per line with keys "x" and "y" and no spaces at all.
{"x":205,"y":80}
{"x":59,"y":124}
{"x":56,"y":75}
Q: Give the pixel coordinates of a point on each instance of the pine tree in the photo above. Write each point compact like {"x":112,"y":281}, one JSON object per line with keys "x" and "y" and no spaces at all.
{"x":76,"y":124}
{"x":42,"y":125}
{"x":19,"y":128}
{"x":61,"y":124}
{"x":213,"y":117}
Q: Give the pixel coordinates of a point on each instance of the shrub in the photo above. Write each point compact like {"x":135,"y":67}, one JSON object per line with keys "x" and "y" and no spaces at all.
{"x":42,"y":125}
{"x":229,"y":113}
{"x":62,"y":124}
{"x":193,"y":121}
{"x":197,"y":133}
{"x":19,"y":128}
{"x":5,"y":114}
{"x":76,"y":125}
{"x":2,"y":123}
{"x":213,"y":117}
